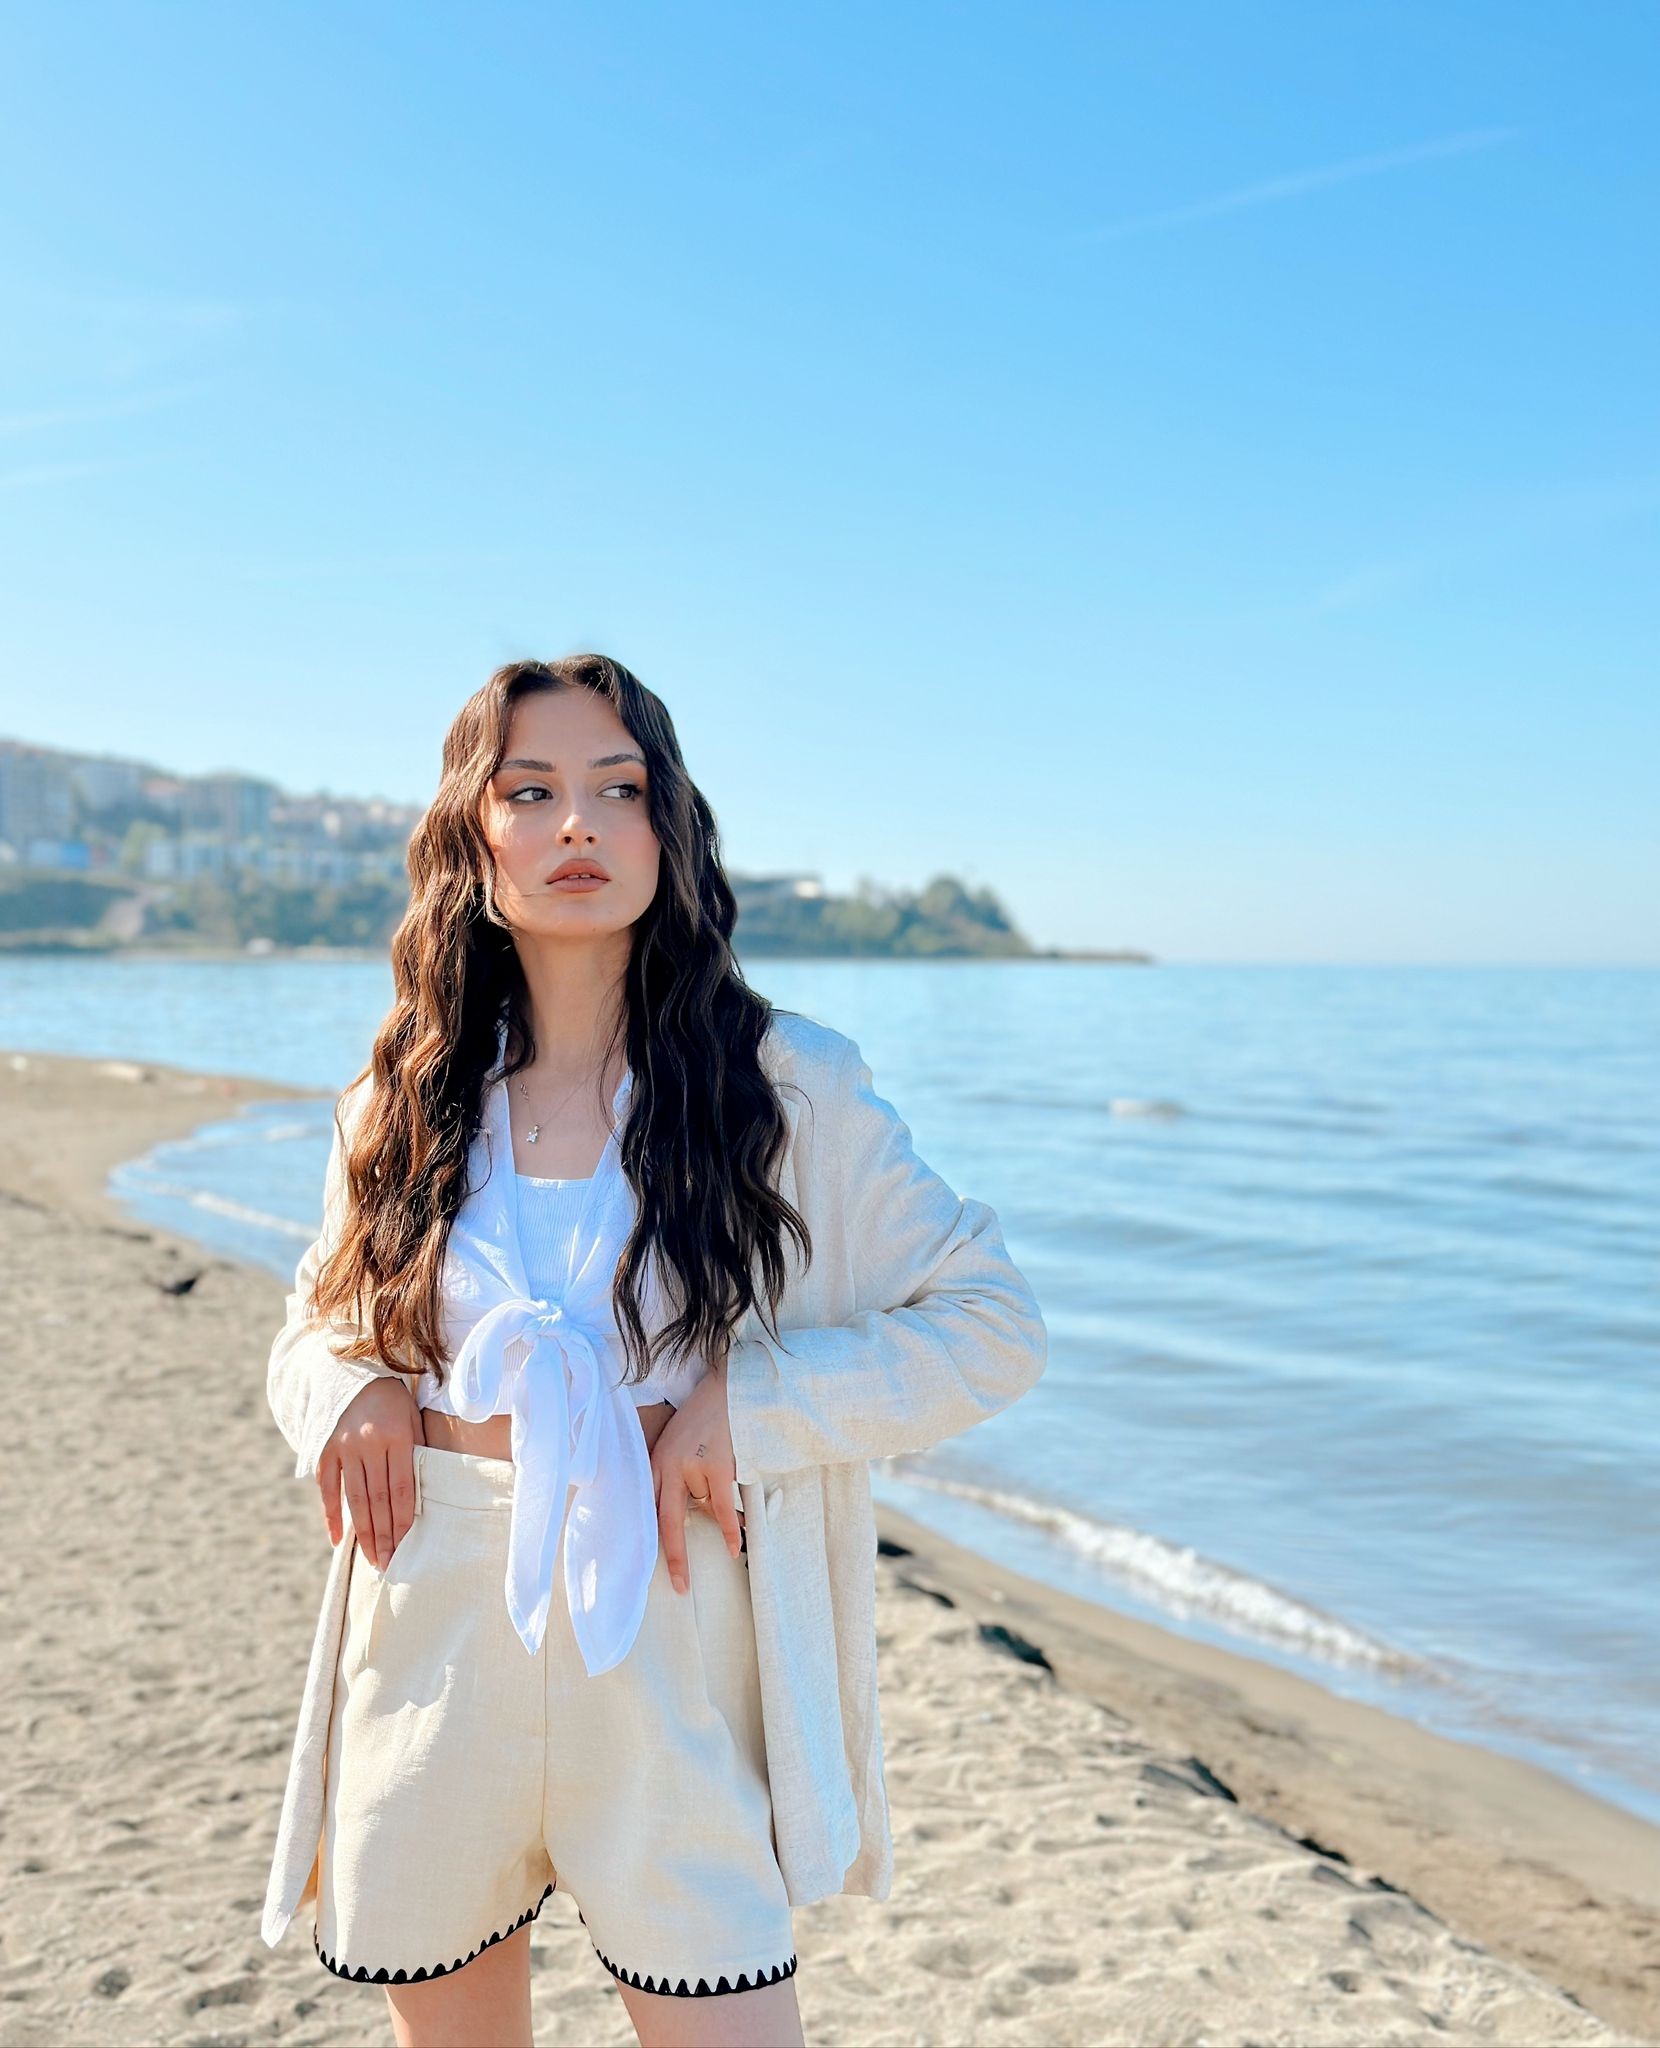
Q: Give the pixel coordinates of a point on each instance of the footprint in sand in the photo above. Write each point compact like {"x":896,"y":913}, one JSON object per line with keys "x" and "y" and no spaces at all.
{"x":1050,"y":1970}
{"x":951,"y":1957}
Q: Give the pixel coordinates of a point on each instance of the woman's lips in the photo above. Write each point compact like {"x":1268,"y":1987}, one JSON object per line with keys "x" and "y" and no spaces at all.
{"x":576,"y":884}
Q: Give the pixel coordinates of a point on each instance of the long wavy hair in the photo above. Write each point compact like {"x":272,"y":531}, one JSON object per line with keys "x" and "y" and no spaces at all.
{"x":704,"y":1129}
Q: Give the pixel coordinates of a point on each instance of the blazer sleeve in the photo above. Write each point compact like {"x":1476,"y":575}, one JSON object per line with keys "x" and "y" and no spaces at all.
{"x":307,"y":1384}
{"x":945,"y":1330}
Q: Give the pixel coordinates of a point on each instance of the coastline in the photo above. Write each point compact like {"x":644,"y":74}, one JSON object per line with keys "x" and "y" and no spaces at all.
{"x":1388,"y":1856}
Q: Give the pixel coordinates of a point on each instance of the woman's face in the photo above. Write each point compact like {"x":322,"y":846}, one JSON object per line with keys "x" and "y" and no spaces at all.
{"x":572,"y":785}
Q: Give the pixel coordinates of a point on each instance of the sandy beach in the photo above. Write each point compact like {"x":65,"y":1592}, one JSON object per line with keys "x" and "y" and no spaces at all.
{"x":1103,"y":1833}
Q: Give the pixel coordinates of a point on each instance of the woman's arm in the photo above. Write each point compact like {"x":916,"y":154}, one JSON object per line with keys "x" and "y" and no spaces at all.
{"x":307,"y":1385}
{"x":946,"y":1329}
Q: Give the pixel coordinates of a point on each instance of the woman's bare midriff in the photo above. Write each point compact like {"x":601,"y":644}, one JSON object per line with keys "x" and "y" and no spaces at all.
{"x":493,"y":1437}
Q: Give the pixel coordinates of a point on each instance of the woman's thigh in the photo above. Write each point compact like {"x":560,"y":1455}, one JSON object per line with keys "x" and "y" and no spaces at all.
{"x":767,"y":2017}
{"x":485,"y":2005}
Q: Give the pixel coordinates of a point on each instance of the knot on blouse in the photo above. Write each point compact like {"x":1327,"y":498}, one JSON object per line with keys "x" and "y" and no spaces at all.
{"x":574,"y":1433}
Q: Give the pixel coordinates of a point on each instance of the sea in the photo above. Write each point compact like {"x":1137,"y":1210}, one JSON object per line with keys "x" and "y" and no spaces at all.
{"x":1351,"y":1277}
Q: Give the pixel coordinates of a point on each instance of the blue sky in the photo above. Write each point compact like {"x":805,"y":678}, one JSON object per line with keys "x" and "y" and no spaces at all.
{"x":1195,"y":469}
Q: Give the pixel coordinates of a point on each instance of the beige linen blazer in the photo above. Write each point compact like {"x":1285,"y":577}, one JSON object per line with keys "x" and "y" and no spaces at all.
{"x":909,"y":1324}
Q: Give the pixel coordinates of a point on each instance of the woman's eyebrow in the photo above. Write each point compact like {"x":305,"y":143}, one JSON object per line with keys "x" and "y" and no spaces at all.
{"x":599,"y":761}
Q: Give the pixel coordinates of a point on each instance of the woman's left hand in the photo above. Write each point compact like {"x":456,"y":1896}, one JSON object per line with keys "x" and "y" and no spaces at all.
{"x":693,"y":1466}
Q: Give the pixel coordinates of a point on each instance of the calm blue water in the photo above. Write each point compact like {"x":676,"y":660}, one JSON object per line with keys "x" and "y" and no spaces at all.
{"x":1352,"y":1279}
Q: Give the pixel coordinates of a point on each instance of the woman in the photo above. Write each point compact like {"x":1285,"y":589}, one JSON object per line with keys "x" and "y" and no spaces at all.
{"x":602,"y":1618}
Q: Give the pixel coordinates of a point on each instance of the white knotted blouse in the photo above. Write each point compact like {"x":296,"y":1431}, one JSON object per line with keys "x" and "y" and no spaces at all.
{"x":531,"y":1332}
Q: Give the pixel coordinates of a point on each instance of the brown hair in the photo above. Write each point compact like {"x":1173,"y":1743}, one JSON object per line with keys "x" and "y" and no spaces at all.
{"x":704,"y":1129}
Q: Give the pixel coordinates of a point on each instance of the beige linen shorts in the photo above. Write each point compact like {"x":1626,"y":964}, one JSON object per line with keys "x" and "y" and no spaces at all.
{"x":467,"y":1780}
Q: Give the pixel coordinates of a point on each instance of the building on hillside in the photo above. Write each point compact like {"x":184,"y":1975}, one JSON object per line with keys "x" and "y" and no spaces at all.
{"x":36,"y":799}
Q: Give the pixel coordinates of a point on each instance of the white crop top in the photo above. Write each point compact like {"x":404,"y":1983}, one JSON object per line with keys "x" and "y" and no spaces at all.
{"x":549,"y":1212}
{"x":531,"y":1330}
{"x":546,"y":1350}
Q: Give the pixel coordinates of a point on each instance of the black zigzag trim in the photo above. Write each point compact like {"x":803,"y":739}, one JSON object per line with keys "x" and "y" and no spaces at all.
{"x":364,"y":1975}
{"x":702,"y":1988}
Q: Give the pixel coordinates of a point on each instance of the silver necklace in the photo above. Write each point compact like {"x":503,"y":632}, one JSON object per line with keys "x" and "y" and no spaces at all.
{"x":535,"y":1130}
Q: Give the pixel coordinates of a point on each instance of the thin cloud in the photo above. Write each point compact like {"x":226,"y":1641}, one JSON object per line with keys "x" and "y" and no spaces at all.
{"x":1539,"y":517}
{"x":152,"y":312}
{"x":1365,"y":586}
{"x":87,"y":411}
{"x":52,"y":473}
{"x":391,"y":563}
{"x":1604,"y":503}
{"x":125,"y":337}
{"x":1295,"y":184}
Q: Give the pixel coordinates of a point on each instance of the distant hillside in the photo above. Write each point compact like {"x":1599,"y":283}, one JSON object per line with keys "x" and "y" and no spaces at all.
{"x":100,"y":853}
{"x":43,"y":911}
{"x":944,"y":921}
{"x":109,"y":913}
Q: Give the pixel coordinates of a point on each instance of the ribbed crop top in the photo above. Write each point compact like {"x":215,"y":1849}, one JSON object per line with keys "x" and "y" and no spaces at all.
{"x":549,"y":1212}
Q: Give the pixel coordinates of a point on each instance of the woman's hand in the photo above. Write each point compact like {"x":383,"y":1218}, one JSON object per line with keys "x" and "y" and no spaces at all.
{"x":373,"y":1452}
{"x":693,"y":1466}
{"x":654,"y":1419}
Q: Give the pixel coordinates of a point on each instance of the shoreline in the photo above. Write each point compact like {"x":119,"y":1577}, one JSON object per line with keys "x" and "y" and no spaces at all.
{"x":1501,"y":1853}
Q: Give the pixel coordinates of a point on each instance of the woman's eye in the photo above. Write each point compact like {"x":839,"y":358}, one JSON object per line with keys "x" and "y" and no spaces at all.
{"x":633,"y":790}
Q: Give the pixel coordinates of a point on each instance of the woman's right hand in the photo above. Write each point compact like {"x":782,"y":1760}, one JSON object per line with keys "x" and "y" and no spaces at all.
{"x":372,"y":1453}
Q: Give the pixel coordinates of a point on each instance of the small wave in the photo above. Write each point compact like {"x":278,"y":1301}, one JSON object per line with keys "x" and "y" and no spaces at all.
{"x":226,"y":1137}
{"x":1143,"y":1105}
{"x":134,"y":1185}
{"x":1177,"y":1578}
{"x":284,"y":1134}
